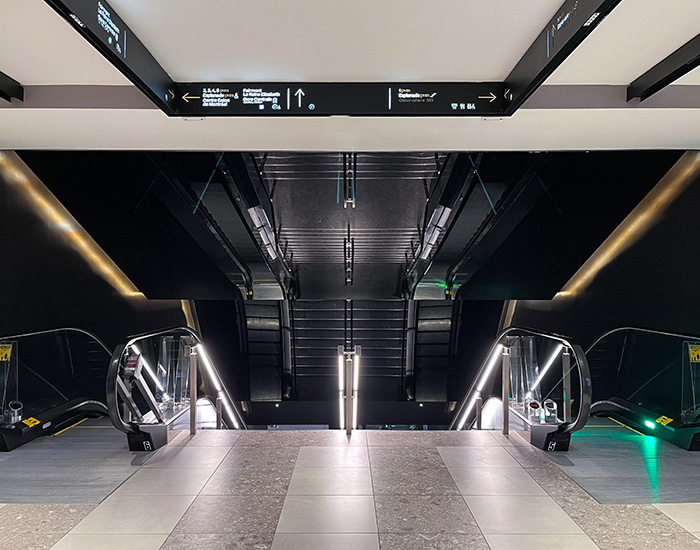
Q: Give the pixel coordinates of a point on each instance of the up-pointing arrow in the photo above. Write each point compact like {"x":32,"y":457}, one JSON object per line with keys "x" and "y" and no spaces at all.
{"x":299,"y":93}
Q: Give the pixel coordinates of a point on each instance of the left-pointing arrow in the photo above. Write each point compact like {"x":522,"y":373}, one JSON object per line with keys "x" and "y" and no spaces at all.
{"x":491,"y":97}
{"x":187,"y":97}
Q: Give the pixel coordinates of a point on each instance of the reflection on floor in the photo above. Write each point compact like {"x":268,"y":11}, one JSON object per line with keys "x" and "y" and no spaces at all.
{"x":617,"y":465}
{"x":318,"y":490}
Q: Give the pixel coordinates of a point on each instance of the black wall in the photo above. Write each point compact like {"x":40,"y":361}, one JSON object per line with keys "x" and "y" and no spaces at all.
{"x":653,"y":283}
{"x":46,"y":283}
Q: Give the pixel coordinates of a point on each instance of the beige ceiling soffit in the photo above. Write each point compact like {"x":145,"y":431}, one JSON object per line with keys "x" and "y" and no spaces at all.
{"x":647,"y":213}
{"x":37,"y":196}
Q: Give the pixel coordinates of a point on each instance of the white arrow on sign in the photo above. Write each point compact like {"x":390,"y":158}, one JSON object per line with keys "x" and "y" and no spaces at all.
{"x":299,"y":93}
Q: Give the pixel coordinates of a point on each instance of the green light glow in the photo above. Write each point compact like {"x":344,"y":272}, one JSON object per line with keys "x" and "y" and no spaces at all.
{"x":649,"y":424}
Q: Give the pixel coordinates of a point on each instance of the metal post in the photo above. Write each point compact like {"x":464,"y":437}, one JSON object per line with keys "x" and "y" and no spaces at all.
{"x":219,"y":413}
{"x":193,"y":389}
{"x":566,"y":383}
{"x":479,"y":406}
{"x":348,"y":392}
{"x":505,"y":393}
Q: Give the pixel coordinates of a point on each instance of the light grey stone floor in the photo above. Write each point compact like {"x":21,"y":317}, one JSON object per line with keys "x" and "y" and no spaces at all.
{"x":286,"y":490}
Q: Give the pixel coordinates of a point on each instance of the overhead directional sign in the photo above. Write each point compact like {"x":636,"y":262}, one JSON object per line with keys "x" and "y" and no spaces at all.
{"x":348,"y":98}
{"x":97,"y":21}
{"x":574,"y":21}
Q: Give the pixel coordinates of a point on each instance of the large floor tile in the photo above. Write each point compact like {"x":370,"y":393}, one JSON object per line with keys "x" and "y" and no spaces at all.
{"x":110,"y":542}
{"x":429,"y":438}
{"x":41,"y":518}
{"x":413,"y":481}
{"x":328,"y":514}
{"x":261,"y":457}
{"x":29,"y":541}
{"x":134,"y":514}
{"x":187,"y":457}
{"x":223,"y":515}
{"x":405,"y":457}
{"x":166,"y":481}
{"x":434,"y":541}
{"x":637,"y":541}
{"x":254,"y":541}
{"x":205,"y":438}
{"x":415,"y":514}
{"x":249,"y":481}
{"x":331,"y":481}
{"x":686,"y":515}
{"x":477,"y":457}
{"x":598,"y":520}
{"x":517,"y":514}
{"x":333,"y":541}
{"x":332,"y":457}
{"x":299,"y":438}
{"x":495,"y":481}
{"x":540,"y":542}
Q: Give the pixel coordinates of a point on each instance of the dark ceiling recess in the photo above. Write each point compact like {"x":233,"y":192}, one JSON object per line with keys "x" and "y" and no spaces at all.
{"x":279,"y":225}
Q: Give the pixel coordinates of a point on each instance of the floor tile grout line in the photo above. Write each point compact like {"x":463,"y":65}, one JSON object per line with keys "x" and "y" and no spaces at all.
{"x":374,"y":496}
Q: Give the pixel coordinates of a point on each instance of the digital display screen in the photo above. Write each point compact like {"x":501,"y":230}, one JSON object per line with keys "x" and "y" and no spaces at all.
{"x":114,"y":31}
{"x":328,"y":99}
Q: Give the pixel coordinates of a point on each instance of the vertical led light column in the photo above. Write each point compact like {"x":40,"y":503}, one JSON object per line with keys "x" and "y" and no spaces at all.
{"x":348,"y":387}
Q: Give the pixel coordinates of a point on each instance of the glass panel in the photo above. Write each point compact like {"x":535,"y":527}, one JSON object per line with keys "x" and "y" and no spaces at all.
{"x":10,"y":407}
{"x":657,"y":371}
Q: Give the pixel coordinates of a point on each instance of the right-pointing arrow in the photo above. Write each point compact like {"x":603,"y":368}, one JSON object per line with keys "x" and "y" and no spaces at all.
{"x":491,"y":97}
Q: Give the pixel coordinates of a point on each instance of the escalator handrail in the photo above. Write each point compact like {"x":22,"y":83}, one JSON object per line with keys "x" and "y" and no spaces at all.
{"x":581,"y":363}
{"x":639,"y":329}
{"x":113,"y":373}
{"x":63,"y":329}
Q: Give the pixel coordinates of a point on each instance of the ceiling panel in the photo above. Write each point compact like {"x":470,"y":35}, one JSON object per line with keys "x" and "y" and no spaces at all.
{"x":337,"y":40}
{"x":37,"y":47}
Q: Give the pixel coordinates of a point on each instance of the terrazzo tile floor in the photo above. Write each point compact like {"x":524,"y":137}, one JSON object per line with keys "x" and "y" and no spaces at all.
{"x":318,"y":490}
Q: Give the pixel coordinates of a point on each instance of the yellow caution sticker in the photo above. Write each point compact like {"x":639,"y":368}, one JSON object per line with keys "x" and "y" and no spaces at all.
{"x":694,"y":351}
{"x":5,"y":352}
{"x":31,"y":421}
{"x":664,"y":420}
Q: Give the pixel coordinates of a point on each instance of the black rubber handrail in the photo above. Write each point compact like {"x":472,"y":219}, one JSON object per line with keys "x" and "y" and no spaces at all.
{"x":52,"y":330}
{"x":581,"y":362}
{"x":639,"y":329}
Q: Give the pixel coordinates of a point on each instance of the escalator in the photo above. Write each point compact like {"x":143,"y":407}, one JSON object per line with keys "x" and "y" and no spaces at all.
{"x":156,"y":380}
{"x":49,"y":381}
{"x":650,"y":381}
{"x":532,"y":381}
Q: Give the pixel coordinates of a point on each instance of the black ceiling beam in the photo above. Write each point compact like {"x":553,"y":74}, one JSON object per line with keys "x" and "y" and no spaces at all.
{"x":10,"y":88}
{"x":682,"y":61}
{"x":574,"y":21}
{"x":99,"y":24}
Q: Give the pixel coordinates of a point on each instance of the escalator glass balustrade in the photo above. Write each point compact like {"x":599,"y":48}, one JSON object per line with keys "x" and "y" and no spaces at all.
{"x":530,"y":381}
{"x":155,"y":379}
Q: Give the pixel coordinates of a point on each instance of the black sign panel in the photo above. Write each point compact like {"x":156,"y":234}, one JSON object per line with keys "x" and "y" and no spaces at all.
{"x":351,"y":99}
{"x":105,"y":30}
{"x":574,"y":21}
